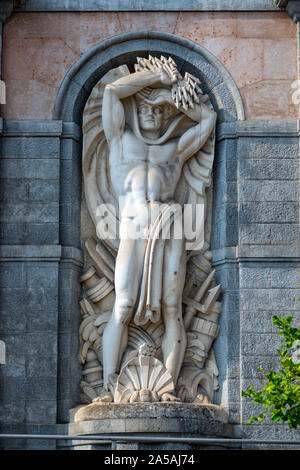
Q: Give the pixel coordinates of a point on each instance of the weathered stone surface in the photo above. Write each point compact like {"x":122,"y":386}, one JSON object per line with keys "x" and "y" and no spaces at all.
{"x":28,"y":169}
{"x":269,"y":212}
{"x":269,"y":190}
{"x":36,"y":147}
{"x":224,"y":34}
{"x":112,"y":418}
{"x":262,"y":321}
{"x":269,"y":169}
{"x":40,"y":411}
{"x":257,"y":299}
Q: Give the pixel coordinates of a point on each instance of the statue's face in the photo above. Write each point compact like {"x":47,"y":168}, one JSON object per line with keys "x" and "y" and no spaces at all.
{"x":150,"y":117}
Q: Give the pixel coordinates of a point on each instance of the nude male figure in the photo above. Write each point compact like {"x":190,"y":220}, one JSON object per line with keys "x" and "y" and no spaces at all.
{"x":144,"y":174}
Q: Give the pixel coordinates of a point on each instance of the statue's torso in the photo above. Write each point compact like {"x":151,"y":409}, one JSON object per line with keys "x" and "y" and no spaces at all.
{"x":141,"y":171}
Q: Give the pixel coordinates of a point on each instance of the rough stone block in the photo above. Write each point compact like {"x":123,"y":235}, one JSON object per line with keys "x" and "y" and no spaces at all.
{"x":259,"y":299}
{"x":285,"y":234}
{"x":40,"y":411}
{"x":257,"y":191}
{"x":250,"y":409}
{"x":41,"y":321}
{"x":66,"y":213}
{"x":229,"y":366}
{"x":30,"y":212}
{"x":260,"y":344}
{"x":229,"y":391}
{"x":231,"y":192}
{"x":229,"y":343}
{"x":12,"y":274}
{"x":42,"y":366}
{"x":13,"y":190}
{"x":268,"y":432}
{"x":226,"y":211}
{"x":12,"y":299}
{"x":44,"y":191}
{"x":269,"y":169}
{"x":268,"y":147}
{"x":42,"y":344}
{"x":255,"y":234}
{"x":269,"y":212}
{"x":42,"y":298}
{"x":234,"y":413}
{"x":72,"y":110}
{"x":12,"y":412}
{"x":42,"y":276}
{"x":250,"y":366}
{"x":225,"y":171}
{"x":38,"y":343}
{"x":63,"y":407}
{"x":222,"y":100}
{"x":230,"y":301}
{"x":228,"y":277}
{"x":14,"y":366}
{"x":262,"y":322}
{"x":12,"y":389}
{"x":71,"y":154}
{"x":12,"y":321}
{"x":226,"y":149}
{"x":30,"y":147}
{"x":45,"y":387}
{"x":255,"y":276}
{"x":44,"y":169}
{"x":29,"y":234}
{"x":285,"y":276}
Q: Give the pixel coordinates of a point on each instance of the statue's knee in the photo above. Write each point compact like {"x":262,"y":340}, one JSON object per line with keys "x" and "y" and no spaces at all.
{"x":123,"y":312}
{"x":172,"y":311}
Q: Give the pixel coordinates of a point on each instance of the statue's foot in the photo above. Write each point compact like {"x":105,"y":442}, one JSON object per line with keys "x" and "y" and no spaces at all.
{"x":104,"y":397}
{"x":183,"y":393}
{"x":170,"y":397}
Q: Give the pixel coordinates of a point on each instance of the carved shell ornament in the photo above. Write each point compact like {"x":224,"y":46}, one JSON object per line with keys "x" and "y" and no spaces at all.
{"x":142,"y":375}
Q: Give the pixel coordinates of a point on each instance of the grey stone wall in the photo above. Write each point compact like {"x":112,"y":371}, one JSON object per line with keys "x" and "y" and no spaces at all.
{"x":256,"y":255}
{"x":40,"y":261}
{"x":255,"y":244}
{"x":144,"y":5}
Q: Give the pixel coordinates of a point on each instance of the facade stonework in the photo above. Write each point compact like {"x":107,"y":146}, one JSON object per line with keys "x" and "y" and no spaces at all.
{"x":52,"y":60}
{"x":39,"y":49}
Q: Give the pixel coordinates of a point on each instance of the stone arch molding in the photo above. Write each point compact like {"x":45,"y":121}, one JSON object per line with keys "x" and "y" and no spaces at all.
{"x":123,"y":49}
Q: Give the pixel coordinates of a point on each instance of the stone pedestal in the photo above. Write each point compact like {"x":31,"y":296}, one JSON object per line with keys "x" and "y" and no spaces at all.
{"x":160,"y":419}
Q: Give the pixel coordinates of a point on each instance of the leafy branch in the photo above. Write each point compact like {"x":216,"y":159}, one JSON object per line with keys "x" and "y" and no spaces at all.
{"x":281,"y":395}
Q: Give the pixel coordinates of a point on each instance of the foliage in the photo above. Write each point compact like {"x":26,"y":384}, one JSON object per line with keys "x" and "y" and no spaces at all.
{"x":281,"y":395}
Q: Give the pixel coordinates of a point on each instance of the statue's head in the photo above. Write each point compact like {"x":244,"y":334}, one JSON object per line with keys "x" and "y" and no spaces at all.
{"x":150,"y":117}
{"x":153,"y":111}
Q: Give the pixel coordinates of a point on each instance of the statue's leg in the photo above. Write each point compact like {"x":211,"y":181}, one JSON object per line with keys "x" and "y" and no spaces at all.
{"x":174,"y":340}
{"x":128,"y":271}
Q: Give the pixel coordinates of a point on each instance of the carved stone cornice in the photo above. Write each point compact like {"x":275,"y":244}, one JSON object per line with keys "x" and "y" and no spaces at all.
{"x":7,"y":7}
{"x":281,"y":3}
{"x":292,"y":7}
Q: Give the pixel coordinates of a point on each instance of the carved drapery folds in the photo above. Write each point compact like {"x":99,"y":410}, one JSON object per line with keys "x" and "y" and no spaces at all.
{"x":150,"y":305}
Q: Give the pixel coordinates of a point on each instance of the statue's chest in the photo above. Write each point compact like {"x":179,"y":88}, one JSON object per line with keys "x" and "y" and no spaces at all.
{"x":137,"y":150}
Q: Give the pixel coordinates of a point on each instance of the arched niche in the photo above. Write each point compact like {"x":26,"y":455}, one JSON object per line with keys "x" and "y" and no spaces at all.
{"x":85,"y":73}
{"x":73,"y":94}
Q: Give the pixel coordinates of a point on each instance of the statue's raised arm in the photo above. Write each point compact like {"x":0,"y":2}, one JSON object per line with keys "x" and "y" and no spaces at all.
{"x":113,"y":111}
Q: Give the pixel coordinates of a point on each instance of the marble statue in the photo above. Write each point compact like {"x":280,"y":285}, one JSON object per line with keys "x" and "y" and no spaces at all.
{"x":148,"y":149}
